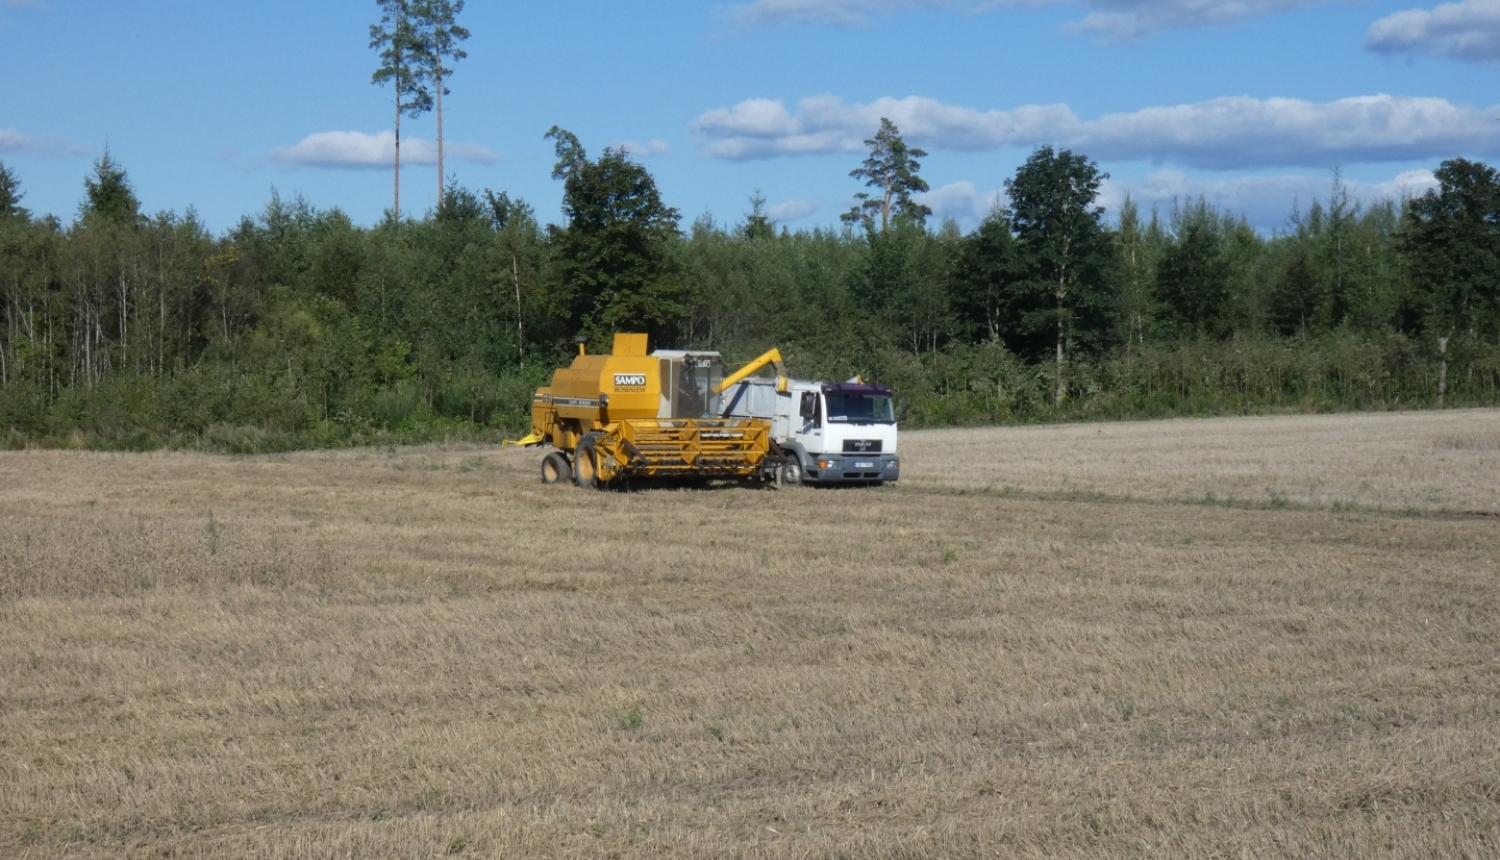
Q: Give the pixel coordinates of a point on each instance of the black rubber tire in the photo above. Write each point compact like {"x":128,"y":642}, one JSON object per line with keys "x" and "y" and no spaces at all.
{"x":585,"y":462}
{"x":555,"y":469}
{"x":790,"y":473}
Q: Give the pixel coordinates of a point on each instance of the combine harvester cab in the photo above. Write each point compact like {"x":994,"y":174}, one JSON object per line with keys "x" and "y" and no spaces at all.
{"x":633,"y":414}
{"x":829,"y":432}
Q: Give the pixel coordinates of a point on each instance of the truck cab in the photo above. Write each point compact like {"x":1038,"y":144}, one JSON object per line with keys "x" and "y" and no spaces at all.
{"x":831,"y":432}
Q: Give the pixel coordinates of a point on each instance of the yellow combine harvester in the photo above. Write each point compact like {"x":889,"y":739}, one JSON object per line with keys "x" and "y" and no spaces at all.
{"x":656,"y":415}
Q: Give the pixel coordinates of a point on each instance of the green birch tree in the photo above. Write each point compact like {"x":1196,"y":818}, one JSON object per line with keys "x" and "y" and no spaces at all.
{"x":615,"y":259}
{"x":1066,"y":256}
{"x":1451,"y":241}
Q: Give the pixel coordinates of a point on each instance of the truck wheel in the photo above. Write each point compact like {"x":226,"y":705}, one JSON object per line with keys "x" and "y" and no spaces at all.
{"x":585,"y":462}
{"x":791,"y":473}
{"x":555,"y":469}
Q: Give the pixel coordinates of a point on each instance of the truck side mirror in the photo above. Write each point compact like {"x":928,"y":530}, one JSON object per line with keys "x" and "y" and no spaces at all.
{"x":905,"y":409}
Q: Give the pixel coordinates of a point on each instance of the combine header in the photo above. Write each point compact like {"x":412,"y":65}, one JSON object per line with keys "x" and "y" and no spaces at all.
{"x":657,"y":415}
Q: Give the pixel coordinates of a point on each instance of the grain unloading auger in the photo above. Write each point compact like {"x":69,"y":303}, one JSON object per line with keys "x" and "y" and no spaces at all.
{"x":656,"y":415}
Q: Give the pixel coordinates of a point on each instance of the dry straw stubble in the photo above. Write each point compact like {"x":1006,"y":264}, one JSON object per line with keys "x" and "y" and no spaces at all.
{"x":425,"y":652}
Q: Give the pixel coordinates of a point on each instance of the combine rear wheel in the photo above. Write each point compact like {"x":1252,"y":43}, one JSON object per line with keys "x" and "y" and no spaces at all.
{"x":586,"y":462}
{"x":555,"y":469}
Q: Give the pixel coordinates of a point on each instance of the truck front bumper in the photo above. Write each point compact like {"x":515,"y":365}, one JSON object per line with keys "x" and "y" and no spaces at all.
{"x":851,"y":468}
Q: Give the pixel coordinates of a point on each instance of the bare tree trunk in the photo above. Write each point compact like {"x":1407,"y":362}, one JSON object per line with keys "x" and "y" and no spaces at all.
{"x":1062,"y":387}
{"x":124,"y":311}
{"x":1062,"y":334}
{"x":515,"y":274}
{"x":87,"y":357}
{"x":1062,"y":329}
{"x":103,"y":350}
{"x":161,"y":323}
{"x":885,"y":204}
{"x":1442,"y":370}
{"x":397,"y":205}
{"x":439,"y":82}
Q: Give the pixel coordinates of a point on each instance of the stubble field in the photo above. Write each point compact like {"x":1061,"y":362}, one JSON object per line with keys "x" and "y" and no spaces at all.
{"x":1219,"y":638}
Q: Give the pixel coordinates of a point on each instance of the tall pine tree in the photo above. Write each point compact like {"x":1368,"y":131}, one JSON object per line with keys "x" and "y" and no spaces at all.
{"x":891,"y":169}
{"x":401,"y":65}
{"x":439,"y":35}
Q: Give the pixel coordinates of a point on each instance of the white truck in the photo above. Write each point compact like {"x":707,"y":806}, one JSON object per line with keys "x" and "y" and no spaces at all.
{"x":829,"y":432}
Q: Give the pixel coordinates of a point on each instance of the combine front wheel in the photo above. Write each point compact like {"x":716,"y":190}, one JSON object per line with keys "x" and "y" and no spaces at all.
{"x":555,"y":469}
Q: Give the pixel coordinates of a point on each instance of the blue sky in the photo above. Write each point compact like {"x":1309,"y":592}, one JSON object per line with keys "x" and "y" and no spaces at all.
{"x":1252,"y":103}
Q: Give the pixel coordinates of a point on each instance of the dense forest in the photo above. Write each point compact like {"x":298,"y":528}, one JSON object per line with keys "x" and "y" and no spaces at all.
{"x":300,"y":328}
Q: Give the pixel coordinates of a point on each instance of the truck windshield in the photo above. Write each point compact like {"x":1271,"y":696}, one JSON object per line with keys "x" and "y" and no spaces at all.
{"x":860,"y":409}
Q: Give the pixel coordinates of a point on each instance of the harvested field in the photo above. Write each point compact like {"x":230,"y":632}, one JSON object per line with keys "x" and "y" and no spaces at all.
{"x":1248,"y":637}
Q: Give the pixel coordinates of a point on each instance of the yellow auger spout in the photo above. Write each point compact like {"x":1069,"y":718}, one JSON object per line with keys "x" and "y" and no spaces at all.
{"x":771,"y":356}
{"x":526,"y":441}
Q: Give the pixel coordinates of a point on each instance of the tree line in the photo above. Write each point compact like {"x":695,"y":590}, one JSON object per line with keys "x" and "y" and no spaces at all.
{"x":298,"y":327}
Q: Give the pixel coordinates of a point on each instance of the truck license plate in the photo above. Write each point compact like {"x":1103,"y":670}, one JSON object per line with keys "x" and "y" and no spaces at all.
{"x":864,"y":465}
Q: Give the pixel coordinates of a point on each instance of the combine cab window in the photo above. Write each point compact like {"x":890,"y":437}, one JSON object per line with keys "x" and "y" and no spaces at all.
{"x":860,"y":409}
{"x":694,"y":386}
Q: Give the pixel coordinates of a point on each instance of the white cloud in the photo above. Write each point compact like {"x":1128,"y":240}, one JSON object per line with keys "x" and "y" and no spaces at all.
{"x":1221,"y":134}
{"x":471,"y":152}
{"x":356,"y":149}
{"x":651,"y":149}
{"x":12,"y":140}
{"x":1112,"y":21}
{"x":16,"y":4}
{"x":963,"y":202}
{"x":838,"y":13}
{"x":1468,"y":30}
{"x":761,"y":128}
{"x":1407,"y":184}
{"x":791,"y":210}
{"x":1122,"y":21}
{"x":1266,"y":202}
{"x":1240,"y":132}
